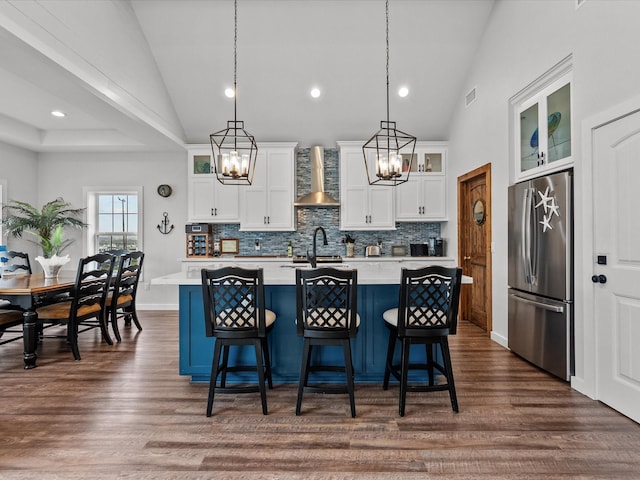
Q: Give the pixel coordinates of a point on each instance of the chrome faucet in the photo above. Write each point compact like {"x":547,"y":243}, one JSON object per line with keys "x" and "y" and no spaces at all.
{"x":313,"y":259}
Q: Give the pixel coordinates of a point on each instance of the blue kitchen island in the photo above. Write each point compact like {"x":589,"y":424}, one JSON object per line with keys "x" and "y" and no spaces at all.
{"x":377,"y":291}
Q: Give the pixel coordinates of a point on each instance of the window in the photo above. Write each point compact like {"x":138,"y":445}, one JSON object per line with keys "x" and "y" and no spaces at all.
{"x":114,"y":216}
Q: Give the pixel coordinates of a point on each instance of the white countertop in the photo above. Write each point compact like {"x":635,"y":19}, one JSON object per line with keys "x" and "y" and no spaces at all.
{"x":281,"y":270}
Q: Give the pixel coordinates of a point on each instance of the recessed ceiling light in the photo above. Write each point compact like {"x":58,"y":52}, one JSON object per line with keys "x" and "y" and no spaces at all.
{"x":403,"y":91}
{"x":315,"y":92}
{"x":58,"y":113}
{"x":229,"y":92}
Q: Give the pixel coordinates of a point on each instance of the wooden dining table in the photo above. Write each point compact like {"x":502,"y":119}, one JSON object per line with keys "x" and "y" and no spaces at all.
{"x":29,"y":291}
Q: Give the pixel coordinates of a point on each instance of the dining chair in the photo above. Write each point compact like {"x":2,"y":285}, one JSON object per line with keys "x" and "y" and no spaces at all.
{"x":116,"y":252}
{"x":326,"y":315}
{"x":121,"y":301}
{"x":18,"y":262}
{"x":85,"y":308}
{"x":10,"y":322}
{"x":235,"y":314}
{"x":427,"y":314}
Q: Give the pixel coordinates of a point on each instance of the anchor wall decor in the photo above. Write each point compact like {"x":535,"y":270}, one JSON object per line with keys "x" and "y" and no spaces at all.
{"x":164,"y":227}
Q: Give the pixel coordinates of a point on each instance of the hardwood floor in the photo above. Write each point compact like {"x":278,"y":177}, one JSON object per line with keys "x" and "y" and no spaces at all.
{"x":124,"y":412}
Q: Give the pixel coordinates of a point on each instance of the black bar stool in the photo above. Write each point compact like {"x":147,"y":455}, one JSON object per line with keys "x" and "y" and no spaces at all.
{"x":235,"y":314}
{"x":427,"y":314}
{"x":326,"y":303}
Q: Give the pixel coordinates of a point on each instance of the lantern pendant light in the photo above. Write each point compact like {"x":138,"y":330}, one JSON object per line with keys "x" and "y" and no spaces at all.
{"x":234,"y":149}
{"x":389,"y":154}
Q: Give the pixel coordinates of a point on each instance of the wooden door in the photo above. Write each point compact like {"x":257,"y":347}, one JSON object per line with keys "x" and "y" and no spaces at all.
{"x":474,"y":244}
{"x":616,"y":270}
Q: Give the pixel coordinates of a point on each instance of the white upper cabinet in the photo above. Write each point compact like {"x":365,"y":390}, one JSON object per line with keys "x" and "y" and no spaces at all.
{"x":267,"y":204}
{"x":208,"y":200}
{"x":362,"y":206}
{"x":543,"y":130}
{"x":423,"y":197}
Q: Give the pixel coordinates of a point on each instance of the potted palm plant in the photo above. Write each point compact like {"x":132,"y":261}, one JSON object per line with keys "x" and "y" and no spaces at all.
{"x":46,"y":226}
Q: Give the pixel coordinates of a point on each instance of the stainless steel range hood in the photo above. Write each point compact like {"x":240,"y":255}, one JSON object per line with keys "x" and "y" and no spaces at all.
{"x":318,"y":197}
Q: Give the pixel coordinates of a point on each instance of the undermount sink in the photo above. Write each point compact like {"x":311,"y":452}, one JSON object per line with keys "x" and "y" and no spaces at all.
{"x":319,"y":259}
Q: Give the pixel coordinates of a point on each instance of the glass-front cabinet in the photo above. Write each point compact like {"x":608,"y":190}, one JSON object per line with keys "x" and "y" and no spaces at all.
{"x":423,"y":197}
{"x":425,"y":159}
{"x":208,"y":199}
{"x":543,"y":130}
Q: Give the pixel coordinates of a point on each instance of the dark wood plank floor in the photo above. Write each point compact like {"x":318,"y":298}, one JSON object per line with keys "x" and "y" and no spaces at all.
{"x":124,"y":412}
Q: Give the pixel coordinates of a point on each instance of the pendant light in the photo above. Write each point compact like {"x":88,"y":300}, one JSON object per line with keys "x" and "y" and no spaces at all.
{"x":234,"y":149}
{"x":388,"y":155}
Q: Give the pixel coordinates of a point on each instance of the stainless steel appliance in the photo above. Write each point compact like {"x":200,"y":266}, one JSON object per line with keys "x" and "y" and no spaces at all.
{"x":419,"y":249}
{"x":372,"y":251}
{"x":317,"y":197}
{"x":541,"y":272}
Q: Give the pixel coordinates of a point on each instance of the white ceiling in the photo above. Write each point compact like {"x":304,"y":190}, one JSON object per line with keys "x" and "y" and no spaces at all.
{"x":151,"y":74}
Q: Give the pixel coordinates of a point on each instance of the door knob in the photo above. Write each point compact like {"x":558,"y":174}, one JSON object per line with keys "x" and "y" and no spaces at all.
{"x":599,"y":279}
{"x":466,"y":258}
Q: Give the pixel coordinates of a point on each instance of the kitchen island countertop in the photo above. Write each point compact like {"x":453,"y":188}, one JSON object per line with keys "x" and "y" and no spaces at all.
{"x":281,"y":270}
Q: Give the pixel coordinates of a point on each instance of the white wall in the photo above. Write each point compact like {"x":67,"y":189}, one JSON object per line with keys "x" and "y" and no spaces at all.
{"x":18,"y":172}
{"x":523,"y":40}
{"x":65,"y":174}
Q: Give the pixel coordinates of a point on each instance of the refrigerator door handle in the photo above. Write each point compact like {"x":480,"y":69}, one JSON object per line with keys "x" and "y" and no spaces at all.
{"x":526,"y":234}
{"x":545,"y":306}
{"x":535,"y":237}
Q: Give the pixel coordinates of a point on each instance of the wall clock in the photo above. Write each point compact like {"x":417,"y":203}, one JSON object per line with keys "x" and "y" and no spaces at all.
{"x":164,"y":190}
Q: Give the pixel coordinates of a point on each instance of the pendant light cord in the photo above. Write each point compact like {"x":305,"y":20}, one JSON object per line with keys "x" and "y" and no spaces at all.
{"x":387,"y":32}
{"x":235,"y":58}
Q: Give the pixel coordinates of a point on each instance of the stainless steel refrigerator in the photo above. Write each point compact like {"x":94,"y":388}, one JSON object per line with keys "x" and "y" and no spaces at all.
{"x":541,"y":272}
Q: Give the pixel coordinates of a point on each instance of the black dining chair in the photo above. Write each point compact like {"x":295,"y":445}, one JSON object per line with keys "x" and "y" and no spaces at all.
{"x":235,"y":314}
{"x":10,"y":322}
{"x":427,"y":314}
{"x":11,"y":316}
{"x":85,"y":307}
{"x":18,"y":262}
{"x":326,"y":307}
{"x":121,"y":301}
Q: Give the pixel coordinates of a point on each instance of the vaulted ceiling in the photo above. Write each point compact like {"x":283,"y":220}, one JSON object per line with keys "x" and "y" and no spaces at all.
{"x":151,"y":74}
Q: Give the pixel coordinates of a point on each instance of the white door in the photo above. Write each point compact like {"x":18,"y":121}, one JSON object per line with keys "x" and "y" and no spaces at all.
{"x":616,"y":172}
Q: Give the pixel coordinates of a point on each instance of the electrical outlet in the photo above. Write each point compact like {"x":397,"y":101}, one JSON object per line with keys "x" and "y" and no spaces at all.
{"x":257,"y":245}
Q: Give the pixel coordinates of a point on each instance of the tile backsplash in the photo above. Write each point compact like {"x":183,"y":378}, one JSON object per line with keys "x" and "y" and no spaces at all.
{"x":308,"y":218}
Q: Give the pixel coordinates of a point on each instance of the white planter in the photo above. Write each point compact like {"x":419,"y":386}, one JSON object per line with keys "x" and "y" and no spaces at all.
{"x":51,"y":266}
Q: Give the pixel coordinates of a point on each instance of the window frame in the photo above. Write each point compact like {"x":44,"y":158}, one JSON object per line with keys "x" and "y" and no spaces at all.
{"x":91,"y":201}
